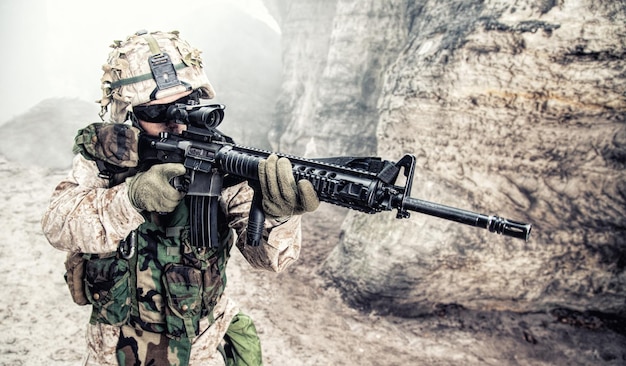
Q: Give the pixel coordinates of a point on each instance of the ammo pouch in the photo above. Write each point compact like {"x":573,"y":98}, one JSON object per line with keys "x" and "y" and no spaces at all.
{"x":191,"y":295}
{"x":107,"y":287}
{"x":74,"y":277}
{"x":183,"y":287}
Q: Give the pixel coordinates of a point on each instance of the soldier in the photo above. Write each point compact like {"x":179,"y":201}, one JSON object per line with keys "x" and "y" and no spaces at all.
{"x":156,"y":299}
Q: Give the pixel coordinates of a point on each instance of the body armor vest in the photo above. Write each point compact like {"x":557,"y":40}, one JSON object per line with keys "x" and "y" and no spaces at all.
{"x":157,"y":281}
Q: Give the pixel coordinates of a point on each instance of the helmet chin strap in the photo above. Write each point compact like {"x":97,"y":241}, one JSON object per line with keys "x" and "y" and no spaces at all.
{"x":134,"y":121}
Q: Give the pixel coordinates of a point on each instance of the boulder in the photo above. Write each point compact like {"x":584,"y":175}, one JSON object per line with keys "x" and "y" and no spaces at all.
{"x":510,"y":108}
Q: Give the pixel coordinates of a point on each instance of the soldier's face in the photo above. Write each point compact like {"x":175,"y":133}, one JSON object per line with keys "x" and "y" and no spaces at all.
{"x":157,"y":123}
{"x":154,"y":129}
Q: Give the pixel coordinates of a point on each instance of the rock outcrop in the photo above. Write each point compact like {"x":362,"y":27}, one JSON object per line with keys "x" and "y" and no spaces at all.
{"x":44,"y":135}
{"x":515,"y":108}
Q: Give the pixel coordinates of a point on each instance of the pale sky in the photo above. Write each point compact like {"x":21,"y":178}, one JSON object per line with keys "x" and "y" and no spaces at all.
{"x":44,"y":41}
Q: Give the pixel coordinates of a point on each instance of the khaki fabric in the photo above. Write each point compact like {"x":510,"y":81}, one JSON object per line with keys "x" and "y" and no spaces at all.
{"x":281,"y":241}
{"x":282,"y":196}
{"x":75,"y":220}
{"x":151,"y":190}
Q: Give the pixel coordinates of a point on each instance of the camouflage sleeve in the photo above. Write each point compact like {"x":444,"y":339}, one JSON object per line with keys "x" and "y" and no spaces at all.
{"x":281,"y":241}
{"x":84,"y":215}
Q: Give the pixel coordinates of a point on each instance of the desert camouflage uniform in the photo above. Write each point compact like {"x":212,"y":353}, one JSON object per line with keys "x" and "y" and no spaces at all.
{"x":87,"y":216}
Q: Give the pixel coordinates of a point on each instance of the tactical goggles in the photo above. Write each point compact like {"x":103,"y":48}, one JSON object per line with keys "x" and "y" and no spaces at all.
{"x":159,"y":113}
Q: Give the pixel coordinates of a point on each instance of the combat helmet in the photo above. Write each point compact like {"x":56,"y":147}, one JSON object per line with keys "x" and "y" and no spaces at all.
{"x":150,"y":66}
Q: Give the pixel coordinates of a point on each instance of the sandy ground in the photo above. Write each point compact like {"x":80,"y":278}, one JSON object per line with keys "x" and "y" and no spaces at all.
{"x":300,"y":316}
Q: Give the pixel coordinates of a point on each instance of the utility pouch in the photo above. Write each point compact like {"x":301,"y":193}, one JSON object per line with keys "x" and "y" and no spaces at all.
{"x":74,"y":277}
{"x":183,"y":288}
{"x":108,"y":289}
{"x":215,"y":272}
{"x":242,"y":345}
{"x":214,"y":283}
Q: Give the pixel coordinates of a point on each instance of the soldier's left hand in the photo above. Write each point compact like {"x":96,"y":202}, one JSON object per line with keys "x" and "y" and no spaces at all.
{"x":282,"y":196}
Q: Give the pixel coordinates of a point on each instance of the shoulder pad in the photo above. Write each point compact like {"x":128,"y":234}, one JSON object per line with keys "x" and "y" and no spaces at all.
{"x":113,"y":143}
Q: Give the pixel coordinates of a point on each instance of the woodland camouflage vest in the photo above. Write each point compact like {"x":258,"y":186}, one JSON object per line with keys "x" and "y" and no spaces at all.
{"x":157,"y":281}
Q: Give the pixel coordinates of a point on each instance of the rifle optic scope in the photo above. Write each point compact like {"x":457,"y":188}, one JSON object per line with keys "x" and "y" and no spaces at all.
{"x":207,"y":116}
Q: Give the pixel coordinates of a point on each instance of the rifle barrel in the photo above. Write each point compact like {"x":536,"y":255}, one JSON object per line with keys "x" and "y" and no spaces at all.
{"x":493,"y":223}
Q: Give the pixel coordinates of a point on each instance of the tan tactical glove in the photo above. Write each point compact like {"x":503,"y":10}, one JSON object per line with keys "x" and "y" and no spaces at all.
{"x":282,"y":197}
{"x":151,"y":190}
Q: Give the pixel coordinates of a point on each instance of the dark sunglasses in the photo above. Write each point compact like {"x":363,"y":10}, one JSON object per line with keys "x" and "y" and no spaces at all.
{"x":158,"y":113}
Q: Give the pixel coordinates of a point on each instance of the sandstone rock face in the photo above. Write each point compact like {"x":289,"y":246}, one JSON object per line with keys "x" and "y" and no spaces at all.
{"x":333,"y":64}
{"x":515,"y":108}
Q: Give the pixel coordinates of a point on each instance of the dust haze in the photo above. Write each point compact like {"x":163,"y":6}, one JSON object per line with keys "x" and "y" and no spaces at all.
{"x":56,"y":48}
{"x":51,"y":70}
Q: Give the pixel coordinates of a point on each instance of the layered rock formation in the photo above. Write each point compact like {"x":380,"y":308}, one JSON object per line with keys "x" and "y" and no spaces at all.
{"x":514,"y":108}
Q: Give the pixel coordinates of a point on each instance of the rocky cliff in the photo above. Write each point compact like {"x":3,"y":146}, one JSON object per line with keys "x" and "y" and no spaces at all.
{"x":511,"y":107}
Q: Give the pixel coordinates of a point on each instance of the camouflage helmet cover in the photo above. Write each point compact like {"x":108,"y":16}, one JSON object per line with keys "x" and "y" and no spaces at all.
{"x":129,"y":78}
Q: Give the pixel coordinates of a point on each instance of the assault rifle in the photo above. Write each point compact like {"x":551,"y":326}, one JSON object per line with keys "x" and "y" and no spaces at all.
{"x":366,"y":184}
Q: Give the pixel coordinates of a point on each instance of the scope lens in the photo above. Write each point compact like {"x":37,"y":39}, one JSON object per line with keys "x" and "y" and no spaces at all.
{"x":208,"y":116}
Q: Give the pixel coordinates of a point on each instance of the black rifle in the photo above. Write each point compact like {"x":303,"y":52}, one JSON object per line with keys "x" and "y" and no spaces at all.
{"x":366,"y":184}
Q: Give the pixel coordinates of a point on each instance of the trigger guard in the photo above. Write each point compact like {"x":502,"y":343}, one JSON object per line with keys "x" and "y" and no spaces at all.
{"x":180,"y":183}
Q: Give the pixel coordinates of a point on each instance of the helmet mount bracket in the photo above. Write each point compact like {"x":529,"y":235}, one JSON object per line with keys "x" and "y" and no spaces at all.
{"x":163,"y":73}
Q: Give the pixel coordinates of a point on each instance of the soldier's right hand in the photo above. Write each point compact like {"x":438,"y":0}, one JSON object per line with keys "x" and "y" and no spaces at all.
{"x":151,"y":190}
